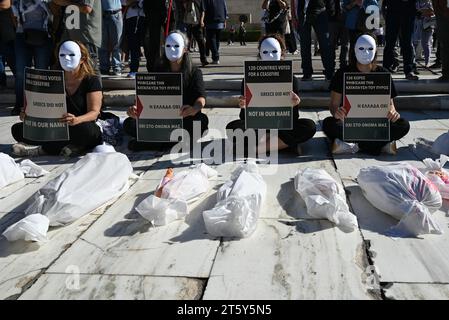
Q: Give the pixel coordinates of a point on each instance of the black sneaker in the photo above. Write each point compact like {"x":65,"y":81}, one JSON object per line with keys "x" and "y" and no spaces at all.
{"x":411,"y":76}
{"x":306,"y":78}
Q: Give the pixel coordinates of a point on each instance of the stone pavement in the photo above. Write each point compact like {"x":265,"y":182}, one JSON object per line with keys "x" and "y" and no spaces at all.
{"x":290,"y":256}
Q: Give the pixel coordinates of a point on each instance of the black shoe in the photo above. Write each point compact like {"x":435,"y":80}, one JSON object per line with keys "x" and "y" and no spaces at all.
{"x":15,"y":111}
{"x":436,"y":65}
{"x":411,"y":76}
{"x":394,"y":67}
{"x":306,"y":77}
{"x":205,"y":63}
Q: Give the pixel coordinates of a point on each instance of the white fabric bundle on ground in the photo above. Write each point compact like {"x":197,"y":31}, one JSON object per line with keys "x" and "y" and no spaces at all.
{"x":406,"y":194}
{"x":90,"y":183}
{"x":185,"y":187}
{"x":11,"y":172}
{"x":240,"y":201}
{"x":325,"y":198}
{"x":439,"y":176}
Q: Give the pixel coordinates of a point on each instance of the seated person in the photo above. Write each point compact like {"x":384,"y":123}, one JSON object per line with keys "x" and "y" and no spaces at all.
{"x":272,"y":48}
{"x":364,"y":60}
{"x":176,"y":59}
{"x":84,"y":97}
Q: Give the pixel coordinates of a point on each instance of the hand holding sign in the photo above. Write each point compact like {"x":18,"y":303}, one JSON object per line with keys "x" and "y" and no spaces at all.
{"x":393,"y":115}
{"x":132,"y":112}
{"x":295,"y":99}
{"x":242,"y":102}
{"x":188,"y":111}
{"x":340,"y":114}
{"x":70,"y":119}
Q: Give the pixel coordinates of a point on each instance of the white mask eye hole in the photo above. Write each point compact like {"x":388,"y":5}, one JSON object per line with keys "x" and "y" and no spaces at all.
{"x":176,"y":45}
{"x":265,"y":52}
{"x":168,"y":46}
{"x":274,"y":51}
{"x":361,"y":48}
{"x":62,"y":55}
{"x":371,"y":49}
{"x":72,"y":54}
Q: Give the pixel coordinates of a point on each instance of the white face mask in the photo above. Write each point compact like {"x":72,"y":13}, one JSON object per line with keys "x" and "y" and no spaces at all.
{"x":174,"y":47}
{"x":69,"y":55}
{"x":270,"y":50}
{"x":365,"y":49}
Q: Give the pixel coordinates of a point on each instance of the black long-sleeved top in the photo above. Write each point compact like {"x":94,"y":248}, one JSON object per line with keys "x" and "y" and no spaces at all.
{"x":315,"y":8}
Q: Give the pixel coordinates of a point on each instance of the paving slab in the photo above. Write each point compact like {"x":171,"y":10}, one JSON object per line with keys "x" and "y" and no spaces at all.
{"x":105,"y":287}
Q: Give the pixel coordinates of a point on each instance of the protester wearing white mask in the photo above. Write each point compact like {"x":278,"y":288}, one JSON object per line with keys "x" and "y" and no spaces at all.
{"x":176,"y":59}
{"x":363,"y":59}
{"x":84,"y":96}
{"x":272,"y":48}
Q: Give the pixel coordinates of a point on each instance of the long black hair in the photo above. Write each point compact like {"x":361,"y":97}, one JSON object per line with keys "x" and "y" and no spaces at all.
{"x":352,"y":57}
{"x":163,"y":64}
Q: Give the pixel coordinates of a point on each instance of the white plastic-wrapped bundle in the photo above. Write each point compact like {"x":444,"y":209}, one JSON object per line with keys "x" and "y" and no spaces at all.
{"x":170,"y":201}
{"x":240,"y":201}
{"x":406,"y":194}
{"x":90,"y":183}
{"x":325,"y":198}
{"x":439,"y":176}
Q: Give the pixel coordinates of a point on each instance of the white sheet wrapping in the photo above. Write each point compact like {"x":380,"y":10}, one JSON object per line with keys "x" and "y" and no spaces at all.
{"x":240,"y":201}
{"x":185,"y":187}
{"x":325,"y":198}
{"x":90,"y":183}
{"x":9,"y":171}
{"x":406,"y":194}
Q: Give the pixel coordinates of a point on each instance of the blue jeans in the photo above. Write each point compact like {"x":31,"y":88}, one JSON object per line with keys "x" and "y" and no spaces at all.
{"x":403,"y":23}
{"x":25,"y":55}
{"x":321,"y":27}
{"x":213,"y":40}
{"x":110,"y":49}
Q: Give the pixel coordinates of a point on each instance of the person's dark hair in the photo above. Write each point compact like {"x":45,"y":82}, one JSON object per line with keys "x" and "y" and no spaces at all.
{"x":186,"y":67}
{"x":276,"y":36}
{"x":352,"y":57}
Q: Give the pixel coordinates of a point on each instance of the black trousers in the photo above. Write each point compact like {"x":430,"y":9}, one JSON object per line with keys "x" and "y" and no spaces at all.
{"x":303,"y":130}
{"x":87,"y":135}
{"x":197,"y":34}
{"x":130,"y":128}
{"x":153,"y":42}
{"x":333,"y":129}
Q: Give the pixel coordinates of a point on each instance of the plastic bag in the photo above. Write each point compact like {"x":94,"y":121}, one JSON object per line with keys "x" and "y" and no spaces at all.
{"x":439,"y":176}
{"x":162,"y":211}
{"x":31,"y":228}
{"x":169,"y":203}
{"x":441,"y":144}
{"x":240,"y":201}
{"x":325,"y":198}
{"x":9,"y":170}
{"x":90,"y":183}
{"x":32,"y":170}
{"x":406,"y":194}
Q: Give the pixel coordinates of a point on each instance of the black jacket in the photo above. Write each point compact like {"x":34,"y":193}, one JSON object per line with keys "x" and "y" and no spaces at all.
{"x":215,"y":11}
{"x":314,"y":9}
